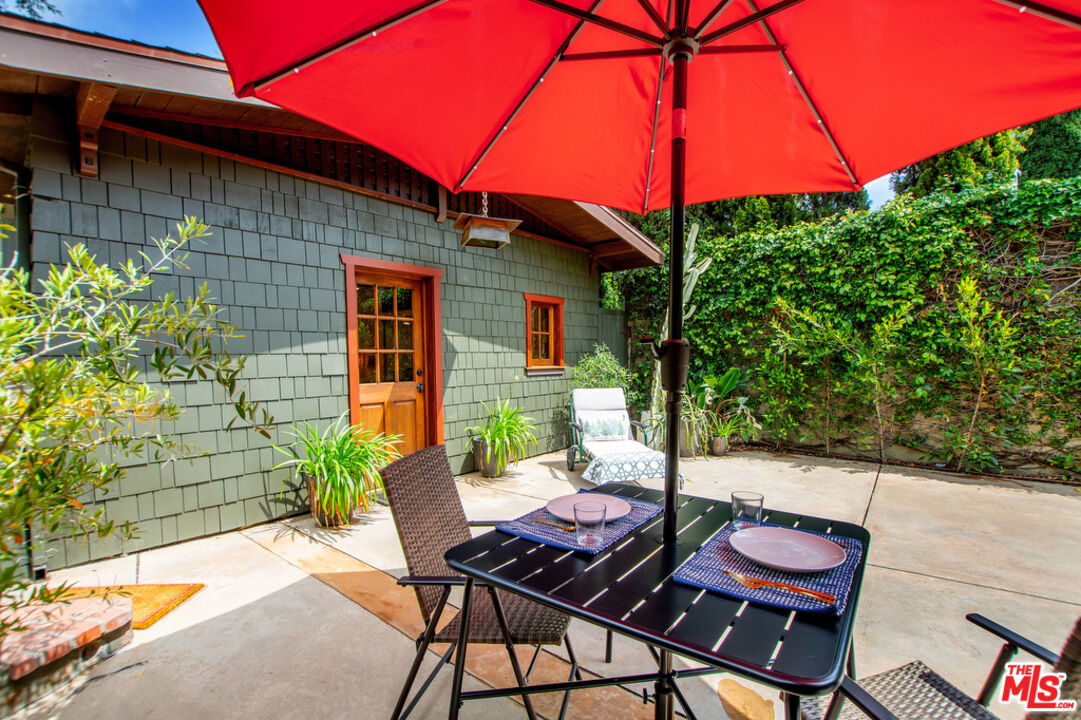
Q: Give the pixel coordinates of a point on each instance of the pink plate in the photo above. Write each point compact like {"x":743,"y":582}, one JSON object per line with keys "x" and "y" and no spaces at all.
{"x":786,"y":549}
{"x":563,"y":507}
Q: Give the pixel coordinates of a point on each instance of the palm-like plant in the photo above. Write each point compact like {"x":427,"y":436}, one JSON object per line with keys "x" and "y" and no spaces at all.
{"x":505,"y":433}
{"x":343,"y":464}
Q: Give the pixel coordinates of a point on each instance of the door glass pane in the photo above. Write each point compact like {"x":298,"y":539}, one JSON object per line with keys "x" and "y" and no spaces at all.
{"x":386,"y":301}
{"x":405,"y":302}
{"x":367,"y":368}
{"x":386,"y":370}
{"x":545,"y":313}
{"x":386,"y":334}
{"x":405,"y":367}
{"x":365,"y":299}
{"x":366,"y":333}
{"x":405,"y":335}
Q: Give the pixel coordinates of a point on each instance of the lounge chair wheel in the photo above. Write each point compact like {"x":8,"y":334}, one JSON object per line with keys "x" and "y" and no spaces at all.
{"x":570,"y":458}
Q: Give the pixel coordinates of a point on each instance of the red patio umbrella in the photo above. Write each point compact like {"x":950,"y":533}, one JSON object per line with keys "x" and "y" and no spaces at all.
{"x":587,"y":99}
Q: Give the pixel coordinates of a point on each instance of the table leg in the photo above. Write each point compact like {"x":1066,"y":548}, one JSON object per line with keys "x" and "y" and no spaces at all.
{"x":664,"y":709}
{"x":463,"y":641}
{"x":791,"y":706}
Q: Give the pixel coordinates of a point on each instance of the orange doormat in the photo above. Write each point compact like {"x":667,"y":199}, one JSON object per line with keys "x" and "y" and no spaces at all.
{"x":150,"y":602}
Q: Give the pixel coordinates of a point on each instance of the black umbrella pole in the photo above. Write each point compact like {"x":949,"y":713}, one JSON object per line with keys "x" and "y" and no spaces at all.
{"x":674,"y":353}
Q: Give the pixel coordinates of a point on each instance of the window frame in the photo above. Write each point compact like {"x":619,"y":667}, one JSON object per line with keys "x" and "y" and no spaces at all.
{"x":556,"y":304}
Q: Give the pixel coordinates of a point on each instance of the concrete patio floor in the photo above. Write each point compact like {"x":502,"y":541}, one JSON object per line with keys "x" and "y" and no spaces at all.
{"x":298,"y":621}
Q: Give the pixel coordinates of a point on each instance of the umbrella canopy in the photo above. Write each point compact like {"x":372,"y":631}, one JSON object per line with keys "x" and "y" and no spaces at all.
{"x":588,"y":99}
{"x":573,"y":100}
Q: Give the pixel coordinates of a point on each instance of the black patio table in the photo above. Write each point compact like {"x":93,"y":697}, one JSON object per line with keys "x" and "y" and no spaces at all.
{"x":629,"y":589}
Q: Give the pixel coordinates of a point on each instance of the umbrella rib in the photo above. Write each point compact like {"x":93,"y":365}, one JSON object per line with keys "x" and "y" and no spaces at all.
{"x":502,"y":126}
{"x":749,"y":20}
{"x":713,"y":15}
{"x":739,"y":49}
{"x":326,"y":52}
{"x":653,"y":137}
{"x":610,"y":54}
{"x":807,"y":97}
{"x":655,"y":17}
{"x":604,"y":22}
{"x":1044,"y":11}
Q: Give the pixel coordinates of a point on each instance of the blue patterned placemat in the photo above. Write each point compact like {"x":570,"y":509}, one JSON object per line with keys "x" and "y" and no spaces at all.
{"x":705,"y":569}
{"x":525,"y":527}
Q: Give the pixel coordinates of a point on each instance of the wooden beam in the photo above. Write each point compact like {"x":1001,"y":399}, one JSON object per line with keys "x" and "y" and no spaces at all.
{"x":91,"y":103}
{"x":328,"y":134}
{"x":441,"y":213}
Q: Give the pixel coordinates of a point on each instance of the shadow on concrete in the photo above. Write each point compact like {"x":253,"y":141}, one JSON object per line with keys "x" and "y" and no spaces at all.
{"x":301,"y":651}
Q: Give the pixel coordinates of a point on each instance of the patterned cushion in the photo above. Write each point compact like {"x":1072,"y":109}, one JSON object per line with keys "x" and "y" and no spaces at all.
{"x":605,"y":424}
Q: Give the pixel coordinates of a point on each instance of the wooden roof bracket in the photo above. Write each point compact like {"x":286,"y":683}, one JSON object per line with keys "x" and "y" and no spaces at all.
{"x":91,"y":104}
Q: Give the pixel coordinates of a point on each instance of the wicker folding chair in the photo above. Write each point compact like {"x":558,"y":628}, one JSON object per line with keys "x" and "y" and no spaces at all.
{"x":429,"y":516}
{"x":916,"y":692}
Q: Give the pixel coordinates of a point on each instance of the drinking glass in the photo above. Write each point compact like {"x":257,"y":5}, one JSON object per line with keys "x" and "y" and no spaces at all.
{"x":589,"y":523}
{"x":746,"y":509}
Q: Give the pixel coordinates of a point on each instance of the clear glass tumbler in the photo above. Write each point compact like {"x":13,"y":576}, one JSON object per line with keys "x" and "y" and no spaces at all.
{"x":589,"y":523}
{"x":746,"y":509}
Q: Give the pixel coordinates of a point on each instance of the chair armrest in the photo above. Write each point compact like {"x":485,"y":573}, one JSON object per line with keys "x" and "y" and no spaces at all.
{"x":486,"y":523}
{"x":576,"y":426}
{"x":864,"y":701}
{"x":640,"y":426}
{"x":431,"y":580}
{"x":1022,"y":643}
{"x":1014,"y":642}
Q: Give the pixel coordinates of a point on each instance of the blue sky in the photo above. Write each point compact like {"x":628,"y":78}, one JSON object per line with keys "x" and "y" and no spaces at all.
{"x":180,"y":24}
{"x":170,"y":23}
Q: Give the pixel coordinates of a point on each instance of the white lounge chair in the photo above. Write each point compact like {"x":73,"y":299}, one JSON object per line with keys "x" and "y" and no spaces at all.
{"x":601,"y":432}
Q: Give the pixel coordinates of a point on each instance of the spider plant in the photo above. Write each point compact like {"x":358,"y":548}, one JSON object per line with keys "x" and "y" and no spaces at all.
{"x":341,"y":466}
{"x":503,"y":434}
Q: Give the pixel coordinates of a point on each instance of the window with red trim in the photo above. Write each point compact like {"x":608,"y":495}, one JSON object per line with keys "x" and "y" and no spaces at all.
{"x":544,"y":331}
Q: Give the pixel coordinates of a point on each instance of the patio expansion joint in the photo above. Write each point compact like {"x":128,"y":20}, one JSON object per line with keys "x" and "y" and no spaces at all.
{"x":974,"y":584}
{"x":871,"y":497}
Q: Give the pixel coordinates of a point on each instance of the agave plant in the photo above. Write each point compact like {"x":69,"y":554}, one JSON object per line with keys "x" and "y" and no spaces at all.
{"x":504,"y":433}
{"x":343,"y":463}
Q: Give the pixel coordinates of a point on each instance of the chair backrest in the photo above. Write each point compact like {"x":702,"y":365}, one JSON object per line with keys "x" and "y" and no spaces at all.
{"x":428,"y":514}
{"x":602,"y":413}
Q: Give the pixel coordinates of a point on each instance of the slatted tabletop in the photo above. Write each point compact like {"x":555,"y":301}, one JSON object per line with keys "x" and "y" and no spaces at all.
{"x":629,"y":589}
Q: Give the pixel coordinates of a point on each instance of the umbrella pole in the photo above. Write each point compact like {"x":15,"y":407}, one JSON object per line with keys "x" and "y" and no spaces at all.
{"x":674,"y":352}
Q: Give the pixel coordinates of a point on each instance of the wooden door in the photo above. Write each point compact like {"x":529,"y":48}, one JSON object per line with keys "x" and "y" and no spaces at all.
{"x":391,"y":337}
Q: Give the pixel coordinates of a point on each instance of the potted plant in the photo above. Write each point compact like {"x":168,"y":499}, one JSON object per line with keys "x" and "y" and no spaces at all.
{"x":726,"y":416}
{"x":340,"y":466}
{"x":505,"y":432}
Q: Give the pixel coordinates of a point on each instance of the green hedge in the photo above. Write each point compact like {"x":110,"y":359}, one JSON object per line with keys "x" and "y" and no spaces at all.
{"x":857,"y":332}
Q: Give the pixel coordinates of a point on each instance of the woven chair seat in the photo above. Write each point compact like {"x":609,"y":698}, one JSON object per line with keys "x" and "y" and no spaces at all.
{"x":529,"y":623}
{"x":911,"y":692}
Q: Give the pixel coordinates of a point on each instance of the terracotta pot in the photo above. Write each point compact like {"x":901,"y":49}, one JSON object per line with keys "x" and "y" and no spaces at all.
{"x":489,"y":467}
{"x":325,"y":519}
{"x":718,"y":445}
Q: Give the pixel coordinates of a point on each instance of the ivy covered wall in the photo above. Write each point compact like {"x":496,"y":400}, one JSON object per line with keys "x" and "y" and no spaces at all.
{"x":945,"y":328}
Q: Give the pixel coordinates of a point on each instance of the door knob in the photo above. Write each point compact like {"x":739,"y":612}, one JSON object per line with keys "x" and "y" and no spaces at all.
{"x":420,"y":387}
